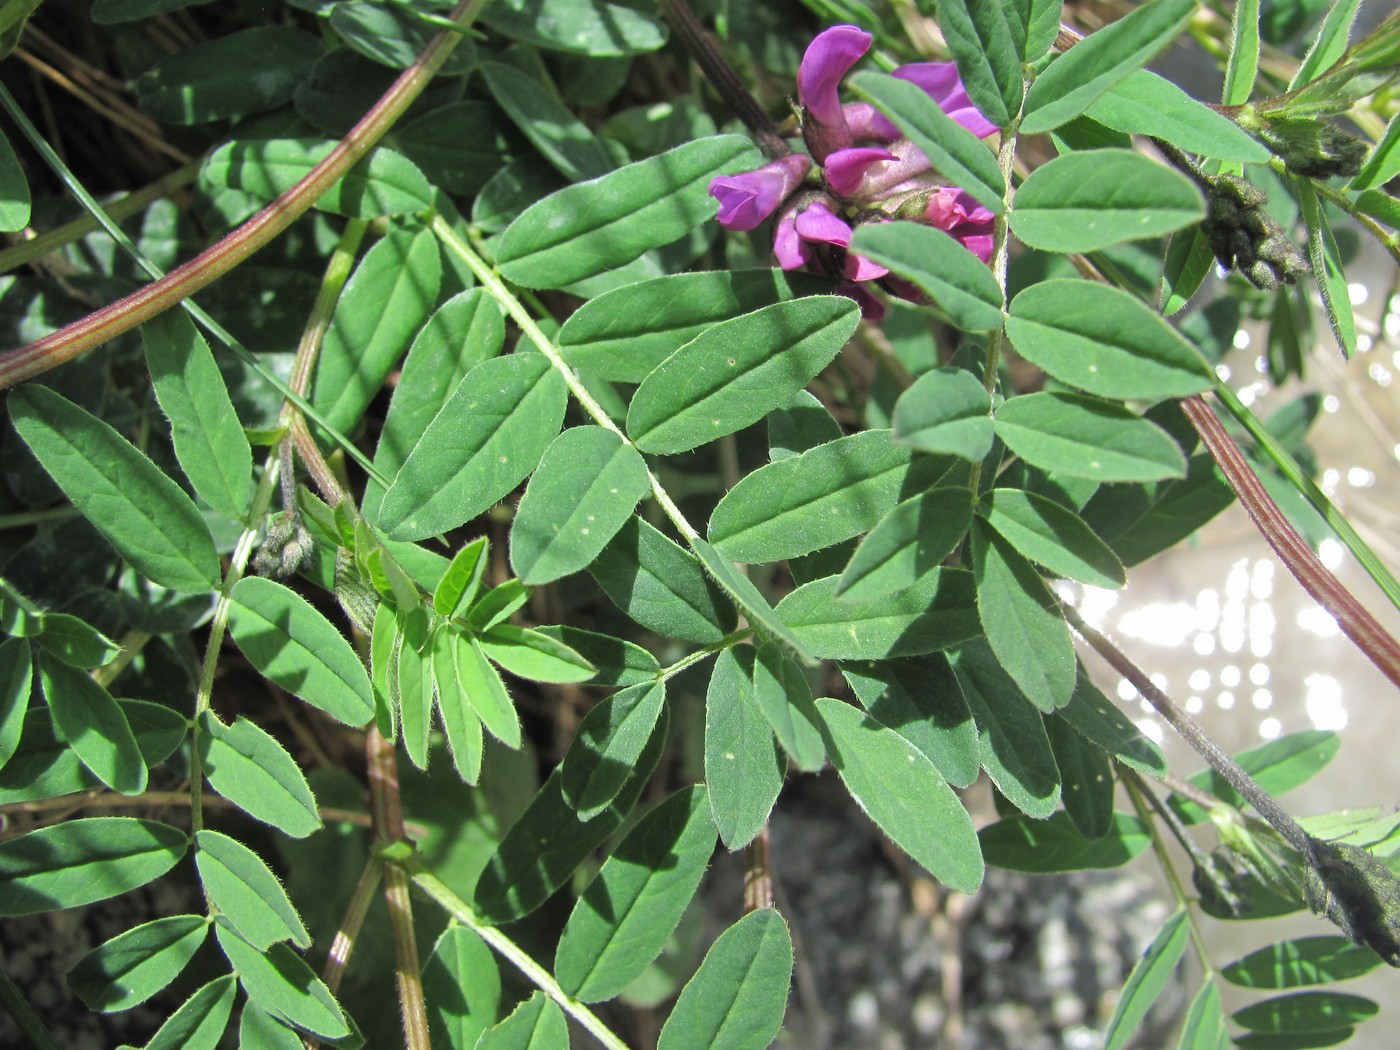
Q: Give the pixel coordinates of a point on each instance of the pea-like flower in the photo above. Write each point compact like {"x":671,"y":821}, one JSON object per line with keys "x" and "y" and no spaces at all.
{"x":869,"y":172}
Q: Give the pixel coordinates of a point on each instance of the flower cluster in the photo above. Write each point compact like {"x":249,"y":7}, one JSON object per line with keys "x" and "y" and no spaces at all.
{"x":869,"y":172}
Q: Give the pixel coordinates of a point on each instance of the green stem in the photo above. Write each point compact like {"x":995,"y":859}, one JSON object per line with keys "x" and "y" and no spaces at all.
{"x":1001,"y":258}
{"x":123,"y":208}
{"x":92,"y":331}
{"x":518,"y":957}
{"x":13,"y":1002}
{"x":37,"y":517}
{"x":1135,"y":790}
{"x":496,"y":288}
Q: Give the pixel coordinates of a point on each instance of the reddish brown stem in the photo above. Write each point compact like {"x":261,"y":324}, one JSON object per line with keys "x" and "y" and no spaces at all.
{"x":758,"y":873}
{"x":140,"y":306}
{"x":1356,"y":623}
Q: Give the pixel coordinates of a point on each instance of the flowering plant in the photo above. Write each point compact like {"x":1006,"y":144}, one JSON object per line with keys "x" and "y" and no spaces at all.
{"x":866,"y":171}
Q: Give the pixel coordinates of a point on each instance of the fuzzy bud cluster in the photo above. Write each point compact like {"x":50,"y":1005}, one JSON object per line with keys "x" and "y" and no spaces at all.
{"x":1247,"y":238}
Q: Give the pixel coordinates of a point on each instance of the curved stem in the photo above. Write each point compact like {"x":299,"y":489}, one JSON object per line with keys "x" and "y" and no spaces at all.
{"x":96,"y":328}
{"x":518,"y":957}
{"x":1358,"y":624}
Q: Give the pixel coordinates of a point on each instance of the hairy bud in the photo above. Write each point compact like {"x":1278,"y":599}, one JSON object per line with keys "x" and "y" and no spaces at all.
{"x":1246,"y":238}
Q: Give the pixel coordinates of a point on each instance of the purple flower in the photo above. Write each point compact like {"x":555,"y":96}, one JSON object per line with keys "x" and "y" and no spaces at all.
{"x":958,"y":213}
{"x":828,"y":58}
{"x":940,"y":80}
{"x":818,"y":224}
{"x":846,"y":169}
{"x":745,"y":200}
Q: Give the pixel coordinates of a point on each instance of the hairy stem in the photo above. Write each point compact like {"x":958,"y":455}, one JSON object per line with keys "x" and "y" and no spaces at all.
{"x":78,"y":338}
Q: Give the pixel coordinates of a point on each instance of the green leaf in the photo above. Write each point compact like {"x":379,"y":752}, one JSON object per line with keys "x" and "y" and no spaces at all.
{"x":761,"y":616}
{"x":738,"y":371}
{"x":14,"y":190}
{"x":462,"y":986}
{"x":16,"y":681}
{"x":83,"y":860}
{"x":955,"y":151}
{"x":459,"y":718}
{"x":259,"y":1030}
{"x":383,"y":183}
{"x":947,"y":410}
{"x":246,"y":892}
{"x":392,"y":37}
{"x":141,"y":512}
{"x":738,"y":995}
{"x":1052,"y":536}
{"x":1278,"y":766}
{"x":1071,"y":83}
{"x":1301,"y":962}
{"x":245,"y":72}
{"x":537,"y":657}
{"x":1329,"y":45}
{"x":247,"y":766}
{"x":920,"y":699}
{"x":1104,"y":341}
{"x":549,"y":841}
{"x":591,"y":28}
{"x":960,"y":283}
{"x":607,"y":745}
{"x":282,"y":984}
{"x":623,"y":334}
{"x":1326,"y":261}
{"x":488,"y":436}
{"x":781,"y":692}
{"x":986,"y":41}
{"x":385,"y":301}
{"x":459,"y":584}
{"x":907,"y":543}
{"x":1086,"y":781}
{"x":744,"y":767}
{"x":497,"y":605}
{"x":1150,"y":975}
{"x":937,"y":611}
{"x":1086,"y":438}
{"x":131,"y":967}
{"x":1145,"y":104}
{"x":536,"y":1024}
{"x":1080,"y":202}
{"x":294,"y":645}
{"x":1138,"y":521}
{"x":415,"y":686}
{"x":93,"y":724}
{"x":74,"y":642}
{"x":618,"y":663}
{"x":1034,"y":24}
{"x":1243,"y":65}
{"x":1384,"y":162}
{"x":208,"y":438}
{"x":1013,"y":746}
{"x":1022,"y":621}
{"x":200,"y":1022}
{"x":825,"y":495}
{"x":43,"y":766}
{"x":1189,"y":262}
{"x":1305,"y":1012}
{"x":459,"y":654}
{"x":583,"y":491}
{"x":1096,"y":718}
{"x":624,"y":918}
{"x":661,"y":586}
{"x":463,"y":332}
{"x":904,"y":793}
{"x":1056,"y":845}
{"x":561,"y":138}
{"x":1204,"y":1027}
{"x":591,"y":227}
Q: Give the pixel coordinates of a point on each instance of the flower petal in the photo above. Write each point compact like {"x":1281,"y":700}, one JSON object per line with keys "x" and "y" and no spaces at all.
{"x":788,"y":248}
{"x":828,"y":58}
{"x":817,"y":222}
{"x":941,"y":81}
{"x":846,"y":168}
{"x":746,"y":199}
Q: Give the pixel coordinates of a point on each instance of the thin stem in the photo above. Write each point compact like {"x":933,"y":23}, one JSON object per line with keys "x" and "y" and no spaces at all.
{"x":124,"y":207}
{"x":351,"y":923}
{"x":1389,"y":241}
{"x":1289,"y":468}
{"x":723,"y":77}
{"x":132,"y":643}
{"x":1193,"y":734}
{"x":99,"y":799}
{"x":92,"y":331}
{"x":496,"y":288}
{"x":758,"y":872}
{"x":518,"y":957}
{"x":14,"y":1003}
{"x":1001,"y":261}
{"x":1135,"y":788}
{"x":1358,"y":624}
